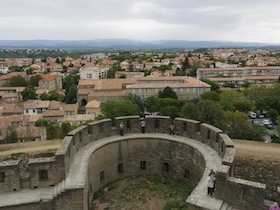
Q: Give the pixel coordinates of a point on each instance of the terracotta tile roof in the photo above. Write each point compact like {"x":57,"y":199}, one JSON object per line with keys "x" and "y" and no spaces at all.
{"x":107,"y":84}
{"x":16,"y":108}
{"x":240,"y":68}
{"x":33,"y":104}
{"x":93,"y":104}
{"x":77,"y":118}
{"x":30,"y":131}
{"x":55,"y":105}
{"x":53,"y":113}
{"x":50,"y":77}
{"x":108,"y":93}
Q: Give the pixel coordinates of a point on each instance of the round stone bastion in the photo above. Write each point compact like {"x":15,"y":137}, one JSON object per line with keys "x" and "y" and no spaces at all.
{"x":92,"y":156}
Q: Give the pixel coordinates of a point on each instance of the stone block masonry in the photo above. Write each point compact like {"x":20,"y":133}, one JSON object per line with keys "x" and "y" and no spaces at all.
{"x":94,"y":155}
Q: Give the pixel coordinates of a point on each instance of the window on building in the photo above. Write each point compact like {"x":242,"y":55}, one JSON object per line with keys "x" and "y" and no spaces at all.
{"x":102,"y":176}
{"x":34,"y":111}
{"x":120,"y":168}
{"x":2,"y":177}
{"x":43,"y":175}
{"x":181,"y":90}
{"x":140,"y":90}
{"x":208,"y":134}
{"x":89,"y":76}
{"x":187,"y":174}
{"x":143,"y":165}
{"x":194,"y":90}
{"x":165,"y":167}
{"x":188,"y":90}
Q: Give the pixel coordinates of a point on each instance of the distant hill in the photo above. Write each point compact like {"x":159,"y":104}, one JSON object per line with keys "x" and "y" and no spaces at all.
{"x":125,"y":44}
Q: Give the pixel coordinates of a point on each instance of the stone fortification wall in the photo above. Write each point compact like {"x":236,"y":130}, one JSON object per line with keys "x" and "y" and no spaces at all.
{"x":128,"y":155}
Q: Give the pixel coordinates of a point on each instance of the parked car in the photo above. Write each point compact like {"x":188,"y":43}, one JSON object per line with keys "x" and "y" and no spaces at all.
{"x":261,"y":115}
{"x":253,"y":115}
{"x":256,"y":122}
{"x":270,"y":126}
{"x":267,"y":122}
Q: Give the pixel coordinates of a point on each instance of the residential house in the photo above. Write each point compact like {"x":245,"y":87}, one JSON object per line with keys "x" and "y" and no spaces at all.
{"x":51,"y":82}
{"x":54,"y":113}
{"x":93,"y":72}
{"x":4,"y":67}
{"x":156,"y":73}
{"x":148,"y":65}
{"x":169,"y":73}
{"x":93,"y":108}
{"x":34,"y":107}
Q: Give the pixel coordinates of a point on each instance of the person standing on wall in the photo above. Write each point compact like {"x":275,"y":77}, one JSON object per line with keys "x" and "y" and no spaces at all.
{"x":274,"y":207}
{"x":121,"y":128}
{"x":210,"y":184}
{"x":171,"y":128}
{"x":143,"y":125}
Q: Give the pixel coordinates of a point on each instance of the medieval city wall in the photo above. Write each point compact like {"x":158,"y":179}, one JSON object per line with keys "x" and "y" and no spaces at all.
{"x":140,"y":155}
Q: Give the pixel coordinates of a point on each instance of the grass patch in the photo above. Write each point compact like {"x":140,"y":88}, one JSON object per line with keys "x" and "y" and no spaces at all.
{"x":141,"y":189}
{"x":18,"y":154}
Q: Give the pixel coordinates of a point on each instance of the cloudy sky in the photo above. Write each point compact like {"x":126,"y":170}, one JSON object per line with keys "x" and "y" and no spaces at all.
{"x":194,"y":20}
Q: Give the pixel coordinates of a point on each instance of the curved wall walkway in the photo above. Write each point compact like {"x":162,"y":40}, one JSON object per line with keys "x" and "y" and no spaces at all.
{"x":94,"y":155}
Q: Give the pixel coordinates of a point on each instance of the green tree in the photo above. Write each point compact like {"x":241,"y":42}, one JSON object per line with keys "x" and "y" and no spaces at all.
{"x":71,"y":95}
{"x":204,"y":111}
{"x":171,"y":111}
{"x":167,"y":93}
{"x":29,"y":71}
{"x":273,"y":114}
{"x":57,"y":61}
{"x":34,"y":80}
{"x":44,"y":97}
{"x":214,"y":85}
{"x":11,"y":135}
{"x":136,"y":100}
{"x":29,"y":93}
{"x":65,"y":128}
{"x":186,"y":64}
{"x":53,"y":131}
{"x":112,"y":109}
{"x":210,"y":95}
{"x":41,"y":122}
{"x":237,"y":126}
{"x":152,"y":104}
{"x":112,"y":70}
{"x":54,"y":95}
{"x":17,"y":81}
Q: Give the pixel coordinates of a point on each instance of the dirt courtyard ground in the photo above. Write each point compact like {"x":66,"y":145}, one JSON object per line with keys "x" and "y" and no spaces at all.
{"x":245,"y":149}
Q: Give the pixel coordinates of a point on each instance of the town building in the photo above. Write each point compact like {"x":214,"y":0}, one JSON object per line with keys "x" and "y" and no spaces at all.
{"x":238,"y":72}
{"x":117,"y":89}
{"x":93,"y":72}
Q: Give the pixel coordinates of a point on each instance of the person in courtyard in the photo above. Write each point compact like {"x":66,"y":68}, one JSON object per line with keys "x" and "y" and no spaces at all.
{"x":143,"y":125}
{"x":210,"y":184}
{"x":274,"y":207}
{"x":121,"y":128}
{"x":171,"y":128}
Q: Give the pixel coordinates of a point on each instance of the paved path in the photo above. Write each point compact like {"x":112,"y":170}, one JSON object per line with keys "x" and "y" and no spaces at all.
{"x":78,"y":170}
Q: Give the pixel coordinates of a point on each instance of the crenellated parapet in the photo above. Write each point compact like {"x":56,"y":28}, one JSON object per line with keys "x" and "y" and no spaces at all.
{"x":93,"y":155}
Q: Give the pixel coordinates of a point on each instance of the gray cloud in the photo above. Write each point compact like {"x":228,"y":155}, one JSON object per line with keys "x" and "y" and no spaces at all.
{"x":145,"y":20}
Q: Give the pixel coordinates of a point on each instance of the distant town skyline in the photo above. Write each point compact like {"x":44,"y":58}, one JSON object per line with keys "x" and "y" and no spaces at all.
{"x":239,"y":21}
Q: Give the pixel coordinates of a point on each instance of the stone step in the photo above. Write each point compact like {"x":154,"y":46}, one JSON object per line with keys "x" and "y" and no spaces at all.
{"x":224,"y":206}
